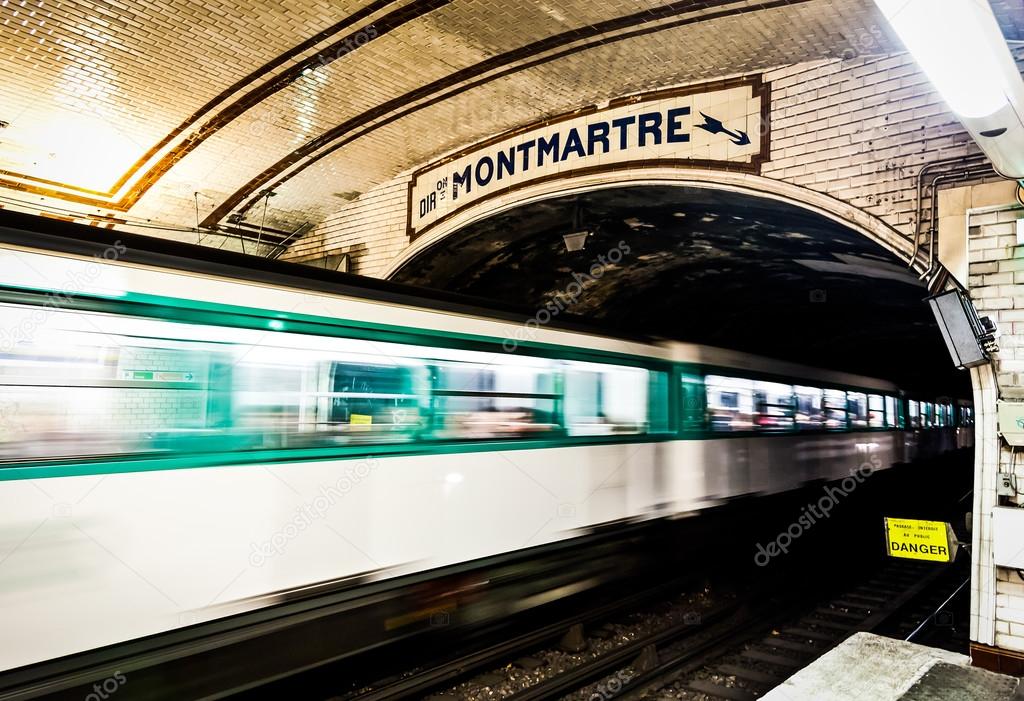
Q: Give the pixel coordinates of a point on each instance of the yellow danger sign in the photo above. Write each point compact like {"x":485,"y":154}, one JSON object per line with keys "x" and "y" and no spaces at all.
{"x":920,"y":540}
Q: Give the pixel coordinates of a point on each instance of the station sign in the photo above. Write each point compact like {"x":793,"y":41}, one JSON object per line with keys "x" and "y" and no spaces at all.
{"x":712,"y":125}
{"x":920,"y":540}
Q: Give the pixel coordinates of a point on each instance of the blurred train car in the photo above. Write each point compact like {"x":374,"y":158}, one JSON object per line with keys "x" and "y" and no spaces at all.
{"x":183,"y":440}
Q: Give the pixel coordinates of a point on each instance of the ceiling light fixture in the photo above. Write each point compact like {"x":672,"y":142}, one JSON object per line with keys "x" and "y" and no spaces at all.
{"x":960,"y":47}
{"x":575,"y":241}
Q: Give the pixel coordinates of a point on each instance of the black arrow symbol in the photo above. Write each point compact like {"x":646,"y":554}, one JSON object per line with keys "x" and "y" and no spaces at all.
{"x":716,"y":127}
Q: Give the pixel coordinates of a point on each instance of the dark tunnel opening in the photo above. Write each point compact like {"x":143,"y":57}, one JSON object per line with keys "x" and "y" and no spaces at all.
{"x":707,"y":266}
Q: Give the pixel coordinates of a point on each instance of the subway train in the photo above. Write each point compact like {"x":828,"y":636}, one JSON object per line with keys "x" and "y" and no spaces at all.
{"x":187,"y":435}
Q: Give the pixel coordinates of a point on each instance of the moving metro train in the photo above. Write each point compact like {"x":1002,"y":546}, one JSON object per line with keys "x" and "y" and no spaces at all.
{"x":182,"y":439}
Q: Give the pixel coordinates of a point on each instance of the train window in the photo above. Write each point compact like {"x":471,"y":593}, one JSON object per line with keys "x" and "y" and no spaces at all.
{"x":891,"y":419}
{"x":606,"y":399}
{"x":473,"y":400}
{"x":372,"y":398}
{"x":810,"y":413}
{"x":659,"y":419}
{"x":927,"y":415}
{"x":876,"y":411}
{"x":774,"y":406}
{"x":836,"y":409}
{"x":730,"y":403}
{"x":914,"y":413}
{"x":71,"y":390}
{"x":694,"y":402}
{"x":858,"y":402}
{"x":89,"y":384}
{"x":298,"y":399}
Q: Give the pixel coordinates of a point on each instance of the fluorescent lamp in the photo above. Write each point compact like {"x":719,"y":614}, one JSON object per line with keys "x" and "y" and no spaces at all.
{"x":959,"y":46}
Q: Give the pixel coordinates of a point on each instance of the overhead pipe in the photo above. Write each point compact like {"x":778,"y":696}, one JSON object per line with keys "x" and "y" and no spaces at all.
{"x":933,"y":226}
{"x":918,"y":214}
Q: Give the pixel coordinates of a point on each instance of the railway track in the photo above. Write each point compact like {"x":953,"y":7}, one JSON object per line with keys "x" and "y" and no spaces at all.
{"x":737,"y":651}
{"x":417,"y":683}
{"x":751,"y":664}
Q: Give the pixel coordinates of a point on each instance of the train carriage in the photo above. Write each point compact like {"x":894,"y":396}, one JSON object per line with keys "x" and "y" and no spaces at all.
{"x":180,"y":442}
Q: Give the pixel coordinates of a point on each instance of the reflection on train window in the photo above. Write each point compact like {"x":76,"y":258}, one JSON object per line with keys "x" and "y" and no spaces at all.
{"x":876,"y":411}
{"x":810,"y":411}
{"x":858,"y":403}
{"x":658,"y":405}
{"x":730,"y":403}
{"x":891,"y":418}
{"x":774,"y":407}
{"x":604,"y":400}
{"x":95,"y":384}
{"x":490,"y":401}
{"x":836,"y":409}
{"x":91,"y":384}
{"x":366,"y":400}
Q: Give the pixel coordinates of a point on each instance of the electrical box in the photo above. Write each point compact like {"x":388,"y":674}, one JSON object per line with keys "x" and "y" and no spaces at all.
{"x":1011,"y":422}
{"x":971,"y":339}
{"x":1008,"y":537}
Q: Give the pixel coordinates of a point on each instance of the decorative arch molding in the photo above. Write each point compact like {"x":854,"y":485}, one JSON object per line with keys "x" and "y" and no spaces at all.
{"x":746,"y":183}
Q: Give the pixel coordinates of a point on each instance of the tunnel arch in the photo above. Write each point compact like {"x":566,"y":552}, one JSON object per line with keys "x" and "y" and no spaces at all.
{"x":983,"y":381}
{"x":429,"y":260}
{"x":746,"y":183}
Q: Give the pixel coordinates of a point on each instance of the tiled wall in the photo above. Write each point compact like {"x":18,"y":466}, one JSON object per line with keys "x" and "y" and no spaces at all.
{"x":997,"y":286}
{"x":856,"y":130}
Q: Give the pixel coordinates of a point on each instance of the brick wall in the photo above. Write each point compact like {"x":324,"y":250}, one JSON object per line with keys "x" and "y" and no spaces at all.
{"x":858,"y":130}
{"x":1009,"y":610}
{"x":372,"y":230}
{"x":996,"y":284}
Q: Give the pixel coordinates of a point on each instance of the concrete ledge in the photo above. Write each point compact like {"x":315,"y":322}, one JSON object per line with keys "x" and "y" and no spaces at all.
{"x":871,"y":667}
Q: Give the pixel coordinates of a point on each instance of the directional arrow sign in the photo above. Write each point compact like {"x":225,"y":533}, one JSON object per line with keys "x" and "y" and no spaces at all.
{"x":714,"y":126}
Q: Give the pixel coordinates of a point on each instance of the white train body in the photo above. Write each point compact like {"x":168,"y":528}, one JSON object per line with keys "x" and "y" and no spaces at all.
{"x":124,"y":544}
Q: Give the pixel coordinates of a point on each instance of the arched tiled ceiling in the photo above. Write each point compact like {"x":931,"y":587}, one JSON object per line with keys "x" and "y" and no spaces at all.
{"x":165,"y":111}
